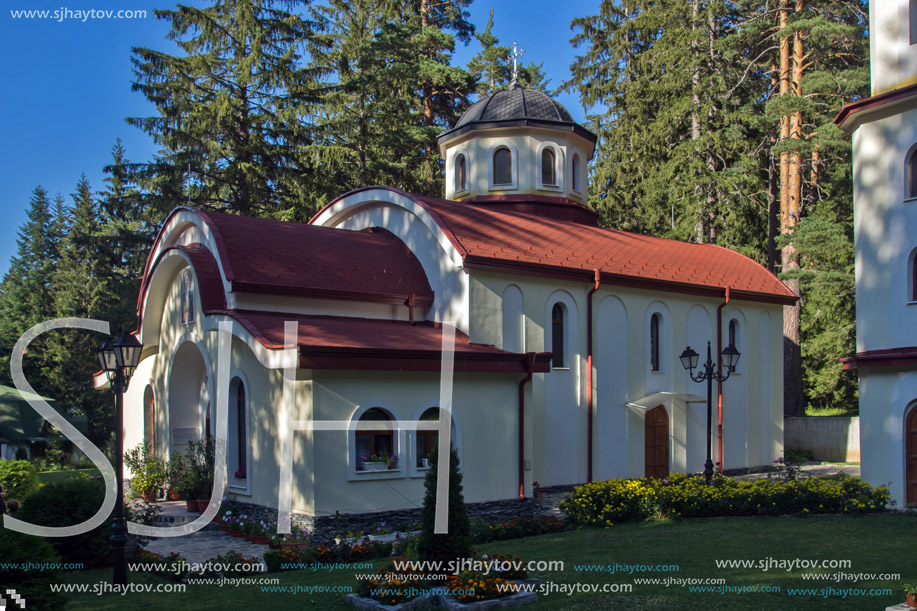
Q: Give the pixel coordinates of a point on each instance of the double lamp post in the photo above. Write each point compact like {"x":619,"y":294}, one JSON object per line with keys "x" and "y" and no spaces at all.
{"x":729,"y":357}
{"x":119,"y":357}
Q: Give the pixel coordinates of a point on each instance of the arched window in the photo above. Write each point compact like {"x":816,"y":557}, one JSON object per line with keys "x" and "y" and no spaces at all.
{"x":460,"y":174}
{"x":732,"y":333}
{"x":654,"y":343}
{"x":912,"y":289}
{"x":427,"y":438}
{"x":375,"y":443}
{"x":547,"y":167}
{"x":503,"y":166}
{"x":912,"y":19}
{"x":557,"y":335}
{"x":237,"y":455}
{"x":149,"y":405}
{"x":574,"y":169}
{"x":912,"y":175}
{"x":187,"y":297}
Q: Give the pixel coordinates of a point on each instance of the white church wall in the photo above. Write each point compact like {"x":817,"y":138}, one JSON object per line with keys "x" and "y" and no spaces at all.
{"x":563,"y":414}
{"x":485,"y":408}
{"x":886,"y":398}
{"x":611,"y":416}
{"x":740,"y":443}
{"x":892,"y":54}
{"x":885,"y":223}
{"x":699,"y":322}
{"x":480,"y":146}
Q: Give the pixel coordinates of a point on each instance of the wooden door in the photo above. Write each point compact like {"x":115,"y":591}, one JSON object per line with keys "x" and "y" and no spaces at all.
{"x":910,"y":457}
{"x":656,"y":435}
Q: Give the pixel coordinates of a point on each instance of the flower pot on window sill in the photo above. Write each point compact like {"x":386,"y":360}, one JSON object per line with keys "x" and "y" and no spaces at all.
{"x":375,"y":466}
{"x":911,"y":600}
{"x":424,"y":463}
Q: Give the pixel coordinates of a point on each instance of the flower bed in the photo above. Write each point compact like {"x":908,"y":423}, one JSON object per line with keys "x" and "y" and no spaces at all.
{"x":682,"y":496}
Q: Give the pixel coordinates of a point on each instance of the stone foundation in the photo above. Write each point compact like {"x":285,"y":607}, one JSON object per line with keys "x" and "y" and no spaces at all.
{"x":324,"y":528}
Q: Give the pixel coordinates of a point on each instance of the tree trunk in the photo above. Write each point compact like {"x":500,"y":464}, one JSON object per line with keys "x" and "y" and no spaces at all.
{"x":793,"y":399}
{"x":773,"y":211}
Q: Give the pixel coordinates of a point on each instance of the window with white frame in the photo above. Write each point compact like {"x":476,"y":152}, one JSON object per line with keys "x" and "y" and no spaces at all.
{"x":912,"y":276}
{"x":503,"y":167}
{"x":237,"y":458}
{"x":558,"y":336}
{"x":374,"y":441}
{"x":574,"y":171}
{"x":655,"y":323}
{"x":427,"y":436}
{"x":548,"y":165}
{"x":461,"y":173}
{"x":187,"y":297}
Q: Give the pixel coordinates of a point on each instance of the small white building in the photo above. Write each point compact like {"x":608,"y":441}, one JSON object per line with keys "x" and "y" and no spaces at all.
{"x":884,"y":128}
{"x":566,"y":363}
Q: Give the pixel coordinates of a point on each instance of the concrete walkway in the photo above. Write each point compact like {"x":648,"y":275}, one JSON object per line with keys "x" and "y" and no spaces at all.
{"x":203,"y":545}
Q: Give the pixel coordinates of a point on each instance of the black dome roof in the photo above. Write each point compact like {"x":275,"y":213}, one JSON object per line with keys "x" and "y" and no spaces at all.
{"x":514,"y":107}
{"x":513,"y":104}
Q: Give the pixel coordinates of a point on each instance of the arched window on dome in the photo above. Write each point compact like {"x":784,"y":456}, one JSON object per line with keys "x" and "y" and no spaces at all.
{"x":503,"y":166}
{"x":461,"y":174}
{"x":548,"y":175}
{"x":574,"y":169}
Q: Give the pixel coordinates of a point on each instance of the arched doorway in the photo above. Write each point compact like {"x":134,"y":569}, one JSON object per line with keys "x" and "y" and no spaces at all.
{"x":910,"y":456}
{"x":656,"y":436}
{"x":189,"y":397}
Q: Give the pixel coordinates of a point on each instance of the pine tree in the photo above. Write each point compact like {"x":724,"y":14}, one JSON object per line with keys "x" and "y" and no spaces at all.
{"x":25,"y":293}
{"x":456,"y":543}
{"x":492,"y":66}
{"x":230,"y":107}
{"x":83,"y":284}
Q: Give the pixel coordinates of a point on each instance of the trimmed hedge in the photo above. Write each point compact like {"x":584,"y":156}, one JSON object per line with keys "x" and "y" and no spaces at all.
{"x":682,"y":496}
{"x":68,"y":503}
{"x":18,"y":478}
{"x":32,"y":584}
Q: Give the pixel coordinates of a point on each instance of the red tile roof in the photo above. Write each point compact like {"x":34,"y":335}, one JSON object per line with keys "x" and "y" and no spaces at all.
{"x":337,"y":342}
{"x":267,"y":256}
{"x":534,"y":238}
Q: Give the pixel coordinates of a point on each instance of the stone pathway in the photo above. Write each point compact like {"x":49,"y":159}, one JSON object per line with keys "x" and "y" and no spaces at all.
{"x":203,"y":545}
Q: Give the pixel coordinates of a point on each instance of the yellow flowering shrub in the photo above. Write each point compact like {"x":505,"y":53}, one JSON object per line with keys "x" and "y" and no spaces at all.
{"x":683,"y":496}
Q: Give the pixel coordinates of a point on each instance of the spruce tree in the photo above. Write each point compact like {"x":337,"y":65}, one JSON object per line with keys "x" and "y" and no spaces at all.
{"x":229,"y":107}
{"x":456,"y":543}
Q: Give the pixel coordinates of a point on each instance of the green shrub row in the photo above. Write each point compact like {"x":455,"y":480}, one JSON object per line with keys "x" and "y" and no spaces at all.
{"x":681,"y":496}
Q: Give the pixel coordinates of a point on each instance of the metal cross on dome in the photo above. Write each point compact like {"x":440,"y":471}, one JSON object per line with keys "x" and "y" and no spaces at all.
{"x":516,"y":55}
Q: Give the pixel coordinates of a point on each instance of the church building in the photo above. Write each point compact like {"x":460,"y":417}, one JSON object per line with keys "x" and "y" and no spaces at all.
{"x":568,"y":335}
{"x":884,"y":128}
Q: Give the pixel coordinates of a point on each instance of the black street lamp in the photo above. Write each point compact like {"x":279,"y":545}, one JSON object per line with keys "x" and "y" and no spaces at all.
{"x":729,"y":356}
{"x":119,"y":357}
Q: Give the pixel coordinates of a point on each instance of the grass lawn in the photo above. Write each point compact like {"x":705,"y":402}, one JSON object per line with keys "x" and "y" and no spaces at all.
{"x":873,"y":544}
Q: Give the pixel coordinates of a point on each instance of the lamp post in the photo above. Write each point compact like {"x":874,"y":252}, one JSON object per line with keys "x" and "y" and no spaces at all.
{"x":119,"y":357}
{"x":730,"y":356}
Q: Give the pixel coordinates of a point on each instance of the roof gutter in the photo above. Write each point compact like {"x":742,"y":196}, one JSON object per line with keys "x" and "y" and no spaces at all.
{"x":719,"y":381}
{"x":589,"y":375}
{"x":530,"y":366}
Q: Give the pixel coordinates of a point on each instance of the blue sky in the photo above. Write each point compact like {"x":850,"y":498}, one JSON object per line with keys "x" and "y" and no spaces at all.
{"x":67,"y":87}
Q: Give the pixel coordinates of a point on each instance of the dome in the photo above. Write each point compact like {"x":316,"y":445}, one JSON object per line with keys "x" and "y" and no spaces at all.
{"x":516,"y":107}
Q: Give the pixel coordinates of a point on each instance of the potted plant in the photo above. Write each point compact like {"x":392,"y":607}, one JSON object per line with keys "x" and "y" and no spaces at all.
{"x":910,"y":594}
{"x":176,"y":474}
{"x":201,"y":464}
{"x":378,"y":462}
{"x":147,"y":471}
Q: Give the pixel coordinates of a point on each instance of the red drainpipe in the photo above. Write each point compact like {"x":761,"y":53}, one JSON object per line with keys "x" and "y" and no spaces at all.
{"x":530,"y":367}
{"x":589,"y":397}
{"x":719,"y":384}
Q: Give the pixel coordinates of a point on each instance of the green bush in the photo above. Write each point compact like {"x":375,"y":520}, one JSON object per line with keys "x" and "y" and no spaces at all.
{"x":456,"y":543}
{"x":148,"y":473}
{"x":681,"y":496}
{"x":32,"y":585}
{"x":68,"y":503}
{"x":18,"y":478}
